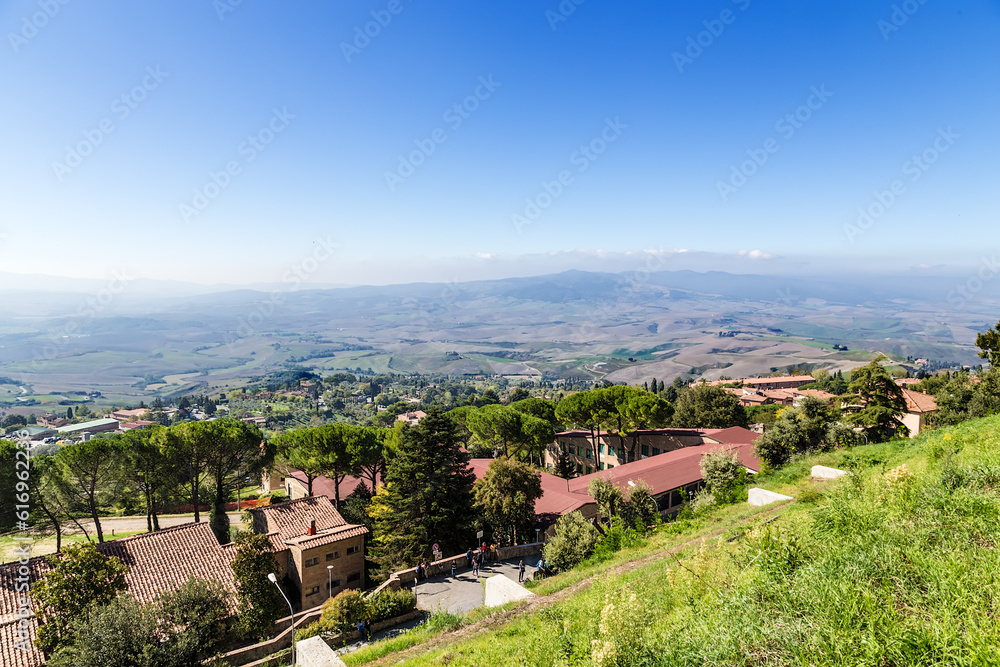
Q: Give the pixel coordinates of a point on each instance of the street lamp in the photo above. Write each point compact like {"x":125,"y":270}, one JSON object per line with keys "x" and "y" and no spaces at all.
{"x":329,"y":581}
{"x":274,"y":580}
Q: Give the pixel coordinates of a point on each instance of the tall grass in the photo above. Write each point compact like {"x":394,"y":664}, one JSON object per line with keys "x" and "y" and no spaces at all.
{"x":897,"y":565}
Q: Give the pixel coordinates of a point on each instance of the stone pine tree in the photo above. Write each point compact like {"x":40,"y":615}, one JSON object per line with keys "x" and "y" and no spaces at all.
{"x":427,"y":497}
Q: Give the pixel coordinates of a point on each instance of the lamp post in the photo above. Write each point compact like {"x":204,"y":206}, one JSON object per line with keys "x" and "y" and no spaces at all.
{"x":274,"y":580}
{"x":329,"y":581}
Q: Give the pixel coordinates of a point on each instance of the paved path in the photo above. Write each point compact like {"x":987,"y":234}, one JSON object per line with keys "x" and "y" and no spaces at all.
{"x":464,"y":592}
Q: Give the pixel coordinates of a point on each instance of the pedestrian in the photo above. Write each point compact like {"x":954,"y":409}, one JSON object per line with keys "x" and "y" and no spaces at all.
{"x":520,"y":572}
{"x":368,"y":628}
{"x":475,"y":567}
{"x":468,"y":557}
{"x":452,"y":569}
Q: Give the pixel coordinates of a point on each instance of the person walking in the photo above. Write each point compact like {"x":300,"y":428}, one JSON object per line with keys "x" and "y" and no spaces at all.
{"x":468,"y":557}
{"x":475,"y":567}
{"x":520,"y":572}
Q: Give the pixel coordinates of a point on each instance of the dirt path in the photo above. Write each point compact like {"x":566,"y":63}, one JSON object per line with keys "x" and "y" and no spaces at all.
{"x":544,"y":601}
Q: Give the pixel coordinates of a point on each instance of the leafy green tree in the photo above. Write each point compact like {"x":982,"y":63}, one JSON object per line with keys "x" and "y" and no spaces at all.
{"x":355,"y":507}
{"x":608,"y":496}
{"x":195,"y":619}
{"x":641,"y":410}
{"x":369,"y":454}
{"x":587,"y":409}
{"x":89,"y":477}
{"x":538,"y":407}
{"x":300,"y":450}
{"x":151,"y":466}
{"x":954,"y":399}
{"x":518,"y":394}
{"x":259,"y":604}
{"x":986,"y":399}
{"x":120,"y":633}
{"x":723,"y":475}
{"x":427,"y":496}
{"x":180,"y":630}
{"x":881,"y":402}
{"x":506,"y":498}
{"x":340,"y":443}
{"x":232,"y":449}
{"x":988,"y":343}
{"x":79,"y":578}
{"x":708,"y":406}
{"x":574,"y":540}
{"x":9,"y":487}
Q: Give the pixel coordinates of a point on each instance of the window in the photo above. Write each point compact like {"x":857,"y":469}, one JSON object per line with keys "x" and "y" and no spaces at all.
{"x":336,"y":584}
{"x":645,"y":450}
{"x":353,"y":577}
{"x":610,"y":466}
{"x":579,"y":468}
{"x":312,"y":561}
{"x":333,"y":555}
{"x":656,"y":450}
{"x":312,"y":591}
{"x":590,"y":454}
{"x":602,"y":466}
{"x":611,"y":450}
{"x":602,"y":449}
{"x":352,"y":550}
{"x":589,"y":470}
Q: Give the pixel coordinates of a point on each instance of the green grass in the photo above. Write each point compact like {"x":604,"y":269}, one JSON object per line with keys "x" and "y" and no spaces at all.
{"x":892,"y":566}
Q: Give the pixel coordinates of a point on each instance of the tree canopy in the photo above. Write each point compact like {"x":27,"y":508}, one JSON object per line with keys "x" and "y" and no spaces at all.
{"x":506,"y":498}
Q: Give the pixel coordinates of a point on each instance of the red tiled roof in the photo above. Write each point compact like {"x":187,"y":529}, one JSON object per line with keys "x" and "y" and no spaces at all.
{"x":157,"y":563}
{"x":668,"y":471}
{"x":917,"y":402}
{"x":290,"y":520}
{"x":325,"y":537}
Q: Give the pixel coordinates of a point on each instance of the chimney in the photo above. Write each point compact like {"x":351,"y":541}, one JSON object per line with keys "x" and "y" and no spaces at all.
{"x":312,"y":527}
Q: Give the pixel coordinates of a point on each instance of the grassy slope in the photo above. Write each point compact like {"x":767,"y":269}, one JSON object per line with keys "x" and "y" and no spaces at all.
{"x":884,"y":568}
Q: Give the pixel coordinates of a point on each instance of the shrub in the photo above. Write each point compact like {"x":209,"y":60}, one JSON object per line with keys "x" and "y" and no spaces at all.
{"x":723,"y":474}
{"x":617,"y":538}
{"x":389,"y":604}
{"x":343,"y":612}
{"x":574,"y":540}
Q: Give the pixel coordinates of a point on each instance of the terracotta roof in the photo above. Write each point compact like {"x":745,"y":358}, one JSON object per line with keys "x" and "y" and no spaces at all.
{"x":327,"y":536}
{"x":158,"y":563}
{"x":668,"y":471}
{"x":815,"y":393}
{"x":289,"y":521}
{"x":917,"y":402}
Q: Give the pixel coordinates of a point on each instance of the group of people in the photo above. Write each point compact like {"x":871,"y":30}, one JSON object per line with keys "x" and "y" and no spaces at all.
{"x":423,"y":570}
{"x":365,"y":629}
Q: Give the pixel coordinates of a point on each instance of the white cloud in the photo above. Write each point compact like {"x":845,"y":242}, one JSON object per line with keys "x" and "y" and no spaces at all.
{"x":755,"y":254}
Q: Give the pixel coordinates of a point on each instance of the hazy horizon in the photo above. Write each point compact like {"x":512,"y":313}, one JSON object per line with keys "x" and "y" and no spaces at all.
{"x":451,"y":142}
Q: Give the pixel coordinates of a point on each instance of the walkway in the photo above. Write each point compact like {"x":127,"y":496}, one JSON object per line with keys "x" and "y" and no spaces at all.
{"x":464,"y":592}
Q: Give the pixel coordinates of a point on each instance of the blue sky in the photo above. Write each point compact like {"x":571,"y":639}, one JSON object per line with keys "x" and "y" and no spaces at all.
{"x":670,"y":98}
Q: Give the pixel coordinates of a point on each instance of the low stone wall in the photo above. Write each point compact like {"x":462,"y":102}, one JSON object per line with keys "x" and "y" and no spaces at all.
{"x":408,"y":577}
{"x":256,"y":655}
